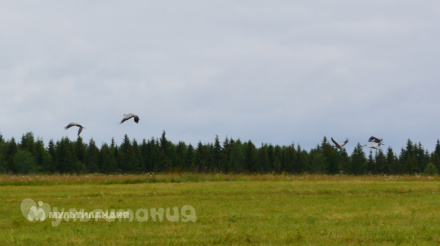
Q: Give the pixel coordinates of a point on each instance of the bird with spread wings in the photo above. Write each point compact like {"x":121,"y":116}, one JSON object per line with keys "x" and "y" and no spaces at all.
{"x":129,"y":116}
{"x":340,"y":145}
{"x":75,"y":124}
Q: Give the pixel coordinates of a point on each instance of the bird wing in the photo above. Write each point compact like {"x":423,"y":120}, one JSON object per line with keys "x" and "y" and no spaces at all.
{"x":375,"y":139}
{"x":71,"y":124}
{"x":372,"y":146}
{"x":337,"y":145}
{"x":345,"y":142}
{"x":126,"y":117}
{"x":68,"y":126}
{"x":80,"y":130}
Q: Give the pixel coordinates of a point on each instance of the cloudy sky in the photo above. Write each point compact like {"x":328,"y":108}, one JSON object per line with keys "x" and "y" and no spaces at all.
{"x":278,"y":72}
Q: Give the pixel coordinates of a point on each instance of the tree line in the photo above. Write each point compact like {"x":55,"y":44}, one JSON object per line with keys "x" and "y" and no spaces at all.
{"x":30,"y":155}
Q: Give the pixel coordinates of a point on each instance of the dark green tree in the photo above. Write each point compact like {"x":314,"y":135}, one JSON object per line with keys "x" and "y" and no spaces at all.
{"x":11,"y":150}
{"x":24,"y":162}
{"x":250,"y":158}
{"x":65,"y":157}
{"x":358,"y":160}
{"x":107,"y":160}
{"x":92,"y":157}
{"x":237,"y":157}
{"x":430,"y":170}
{"x":263,"y":162}
{"x":27,"y":143}
{"x":189,"y":158}
{"x":43,"y":158}
{"x":217,"y":155}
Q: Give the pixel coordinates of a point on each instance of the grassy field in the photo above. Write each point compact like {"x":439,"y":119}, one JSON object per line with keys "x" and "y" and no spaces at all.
{"x":230,"y":209}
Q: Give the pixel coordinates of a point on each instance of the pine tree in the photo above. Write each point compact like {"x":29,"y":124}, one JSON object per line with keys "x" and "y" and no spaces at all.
{"x":301,"y":160}
{"x":344,"y":161}
{"x":317,"y":163}
{"x":12,"y":149}
{"x":43,"y":158}
{"x":331,"y":157}
{"x":358,"y":160}
{"x":180,"y":156}
{"x":391,"y":162}
{"x":53,"y":156}
{"x":411,"y":165}
{"x":237,"y":157}
{"x":277,"y":159}
{"x":226,"y":156}
{"x":124,"y":154}
{"x":371,"y":165}
{"x":92,"y":157}
{"x":217,"y":154}
{"x":189,"y":158}
{"x":437,"y":147}
{"x":65,"y":157}
{"x":250,"y":159}
{"x":381,"y":164}
{"x":165,"y":147}
{"x":199,"y":162}
{"x":27,"y":143}
{"x":107,"y":160}
{"x":263,"y":162}
{"x":80,"y":150}
{"x":136,"y":158}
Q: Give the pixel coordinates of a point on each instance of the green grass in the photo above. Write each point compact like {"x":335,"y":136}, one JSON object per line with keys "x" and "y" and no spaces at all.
{"x":230,"y":209}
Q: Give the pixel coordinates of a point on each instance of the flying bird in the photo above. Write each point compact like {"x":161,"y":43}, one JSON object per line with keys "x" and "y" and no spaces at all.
{"x":374,"y":146}
{"x":375,"y":140}
{"x":129,"y":116}
{"x":340,"y":145}
{"x":75,"y":124}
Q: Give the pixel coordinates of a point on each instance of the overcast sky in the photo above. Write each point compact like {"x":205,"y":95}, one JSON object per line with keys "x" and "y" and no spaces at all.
{"x":277,"y":72}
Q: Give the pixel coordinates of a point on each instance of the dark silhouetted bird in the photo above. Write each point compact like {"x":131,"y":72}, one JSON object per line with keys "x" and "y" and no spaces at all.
{"x":129,"y":116}
{"x":340,"y":145}
{"x":75,"y":124}
{"x":375,"y":140}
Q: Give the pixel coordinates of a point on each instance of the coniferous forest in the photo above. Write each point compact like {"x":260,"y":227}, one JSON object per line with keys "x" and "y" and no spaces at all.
{"x":30,"y":155}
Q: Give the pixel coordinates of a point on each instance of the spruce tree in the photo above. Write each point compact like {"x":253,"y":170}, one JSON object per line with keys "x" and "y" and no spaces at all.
{"x":43,"y":158}
{"x":107,"y":160}
{"x":301,"y":160}
{"x":92,"y":157}
{"x":381,"y":163}
{"x":237,"y":157}
{"x":263,"y":162}
{"x":250,"y":157}
{"x":189,"y":159}
{"x":12,"y":149}
{"x":217,"y":154}
{"x":358,"y":160}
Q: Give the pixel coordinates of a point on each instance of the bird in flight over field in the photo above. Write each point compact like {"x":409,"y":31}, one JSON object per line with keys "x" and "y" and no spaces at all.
{"x":129,"y":116}
{"x":340,"y":145}
{"x":75,"y":124}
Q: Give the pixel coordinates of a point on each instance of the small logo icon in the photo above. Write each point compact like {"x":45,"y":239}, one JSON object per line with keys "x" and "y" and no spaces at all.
{"x":31,"y":212}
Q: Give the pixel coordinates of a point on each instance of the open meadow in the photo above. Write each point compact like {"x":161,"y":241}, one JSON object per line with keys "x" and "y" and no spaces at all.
{"x":209,"y":209}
